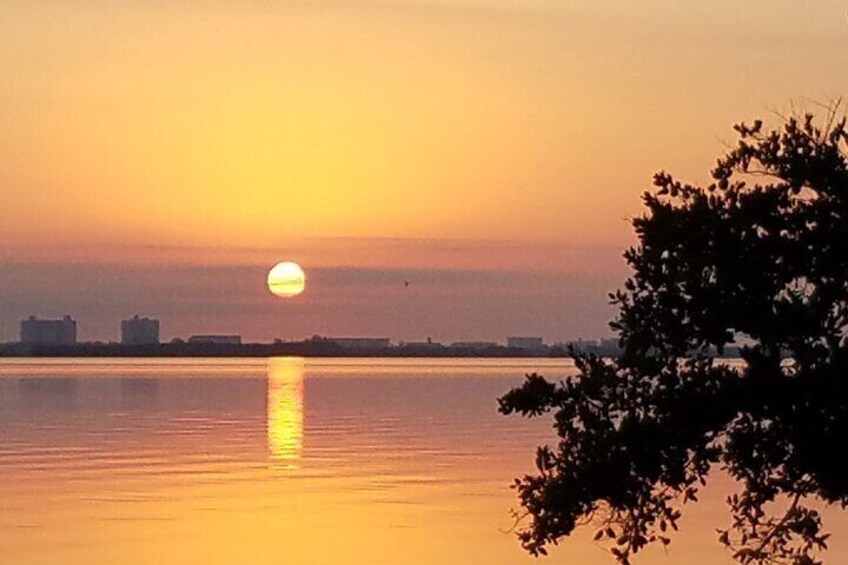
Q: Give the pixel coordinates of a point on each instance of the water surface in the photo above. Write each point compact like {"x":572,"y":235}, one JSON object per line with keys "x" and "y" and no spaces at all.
{"x":277,"y":461}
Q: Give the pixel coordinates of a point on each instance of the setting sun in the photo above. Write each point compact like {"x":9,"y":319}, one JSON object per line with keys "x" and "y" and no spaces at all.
{"x":286,"y":279}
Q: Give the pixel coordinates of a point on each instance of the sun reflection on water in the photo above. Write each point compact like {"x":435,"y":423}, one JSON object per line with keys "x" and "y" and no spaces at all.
{"x":285,"y":411}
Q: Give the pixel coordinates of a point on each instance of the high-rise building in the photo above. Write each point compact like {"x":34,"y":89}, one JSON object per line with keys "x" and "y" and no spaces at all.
{"x":139,"y":331}
{"x":49,"y":332}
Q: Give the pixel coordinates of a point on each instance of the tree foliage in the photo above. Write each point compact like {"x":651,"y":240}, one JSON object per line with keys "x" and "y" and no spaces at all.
{"x":759,"y":258}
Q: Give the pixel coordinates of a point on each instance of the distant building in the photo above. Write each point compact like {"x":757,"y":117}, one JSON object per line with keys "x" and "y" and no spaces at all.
{"x":216,"y":339}
{"x":527,"y":343}
{"x":361,"y":342}
{"x":474,"y":344}
{"x":584,"y":345}
{"x":604,"y":347}
{"x":140,"y":331}
{"x":49,"y":332}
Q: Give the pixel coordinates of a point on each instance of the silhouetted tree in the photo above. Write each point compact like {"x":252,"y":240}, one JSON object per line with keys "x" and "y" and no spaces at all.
{"x":758,"y":257}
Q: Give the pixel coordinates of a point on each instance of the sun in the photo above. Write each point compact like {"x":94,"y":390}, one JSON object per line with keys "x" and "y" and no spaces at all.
{"x":286,"y":279}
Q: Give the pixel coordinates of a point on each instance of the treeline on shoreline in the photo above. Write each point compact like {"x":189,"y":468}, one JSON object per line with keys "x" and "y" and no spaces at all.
{"x":309,"y":348}
{"x":300,"y":349}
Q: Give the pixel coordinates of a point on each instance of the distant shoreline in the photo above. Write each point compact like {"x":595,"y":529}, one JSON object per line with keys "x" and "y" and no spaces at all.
{"x":316,"y":349}
{"x":299,"y":349}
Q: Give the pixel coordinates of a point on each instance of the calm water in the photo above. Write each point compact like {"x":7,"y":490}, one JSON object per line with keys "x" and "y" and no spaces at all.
{"x":279,"y":461}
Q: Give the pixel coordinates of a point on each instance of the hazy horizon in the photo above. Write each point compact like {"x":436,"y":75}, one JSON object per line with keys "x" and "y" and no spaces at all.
{"x":483,"y":301}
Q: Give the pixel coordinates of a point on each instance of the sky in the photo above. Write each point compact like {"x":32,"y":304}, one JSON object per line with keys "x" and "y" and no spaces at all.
{"x":158,"y":157}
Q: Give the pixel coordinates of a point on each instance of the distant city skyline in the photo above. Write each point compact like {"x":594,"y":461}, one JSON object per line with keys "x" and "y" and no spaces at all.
{"x":144,"y":330}
{"x":139,"y":337}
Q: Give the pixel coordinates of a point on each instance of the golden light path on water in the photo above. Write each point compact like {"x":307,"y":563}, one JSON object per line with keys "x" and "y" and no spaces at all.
{"x":285,"y":410}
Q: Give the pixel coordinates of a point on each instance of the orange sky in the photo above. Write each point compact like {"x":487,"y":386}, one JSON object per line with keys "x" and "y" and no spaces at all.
{"x":241,"y":133}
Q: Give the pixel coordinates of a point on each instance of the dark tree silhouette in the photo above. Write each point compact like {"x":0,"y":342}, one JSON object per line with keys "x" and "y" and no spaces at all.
{"x":758,"y":258}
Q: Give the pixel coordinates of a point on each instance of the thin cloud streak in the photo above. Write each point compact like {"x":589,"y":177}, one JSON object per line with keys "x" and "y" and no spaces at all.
{"x":333,"y":252}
